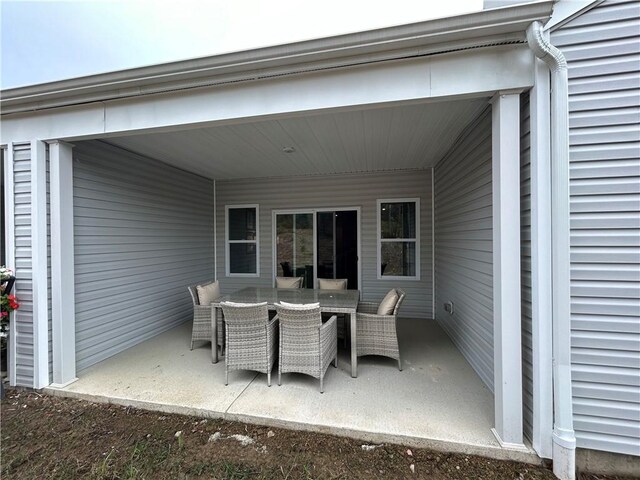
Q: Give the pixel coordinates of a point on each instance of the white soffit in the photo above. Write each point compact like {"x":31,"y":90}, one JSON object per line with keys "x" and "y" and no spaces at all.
{"x":392,"y":138}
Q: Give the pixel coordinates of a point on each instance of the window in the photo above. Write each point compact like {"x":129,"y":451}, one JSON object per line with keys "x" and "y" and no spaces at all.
{"x":398,"y":234}
{"x":242,"y":259}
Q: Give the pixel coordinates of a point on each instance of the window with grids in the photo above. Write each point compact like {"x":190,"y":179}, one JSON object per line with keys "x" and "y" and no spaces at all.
{"x":398,"y":234}
{"x":242,"y":258}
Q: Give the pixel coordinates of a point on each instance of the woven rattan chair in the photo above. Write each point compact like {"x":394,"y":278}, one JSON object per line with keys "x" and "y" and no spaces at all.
{"x":250,"y":338}
{"x":306,"y":344}
{"x":376,"y":334}
{"x":337,"y":284}
{"x":202,"y":321}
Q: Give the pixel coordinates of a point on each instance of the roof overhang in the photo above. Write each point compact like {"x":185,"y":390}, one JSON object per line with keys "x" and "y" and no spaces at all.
{"x":493,"y":27}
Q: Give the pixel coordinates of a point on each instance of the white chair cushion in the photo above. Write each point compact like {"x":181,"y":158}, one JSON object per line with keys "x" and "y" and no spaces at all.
{"x":388,"y":303}
{"x":208,"y":293}
{"x":300,"y":306}
{"x":289,"y":282}
{"x":236,"y":304}
{"x":331,"y":284}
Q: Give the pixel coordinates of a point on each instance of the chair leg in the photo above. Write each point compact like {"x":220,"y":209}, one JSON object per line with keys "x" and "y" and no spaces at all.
{"x":399,"y":364}
{"x":335,"y":361}
{"x":269,"y":379}
{"x":226,"y":373}
{"x":191,"y":345}
{"x":321,"y":384}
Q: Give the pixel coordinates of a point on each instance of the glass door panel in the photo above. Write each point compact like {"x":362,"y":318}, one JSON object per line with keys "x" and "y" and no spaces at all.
{"x":295,"y":246}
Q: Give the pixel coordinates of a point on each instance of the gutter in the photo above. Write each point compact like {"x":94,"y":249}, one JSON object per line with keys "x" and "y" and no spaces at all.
{"x":484,"y":28}
{"x":563,"y":437}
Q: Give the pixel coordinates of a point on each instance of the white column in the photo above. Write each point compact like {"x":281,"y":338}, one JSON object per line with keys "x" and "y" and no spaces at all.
{"x":506,"y":269}
{"x":10,"y":242}
{"x":62,"y":264}
{"x":541,"y":278}
{"x":39,"y":264}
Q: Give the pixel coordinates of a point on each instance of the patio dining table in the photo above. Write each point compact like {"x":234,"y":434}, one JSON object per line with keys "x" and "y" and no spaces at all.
{"x":331,"y":301}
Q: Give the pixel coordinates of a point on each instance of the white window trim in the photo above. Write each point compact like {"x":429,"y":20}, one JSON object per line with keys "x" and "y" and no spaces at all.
{"x":380,"y":240}
{"x":227,"y":242}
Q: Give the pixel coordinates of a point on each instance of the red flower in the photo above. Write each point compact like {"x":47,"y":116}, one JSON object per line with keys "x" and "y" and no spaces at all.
{"x":4,"y":314}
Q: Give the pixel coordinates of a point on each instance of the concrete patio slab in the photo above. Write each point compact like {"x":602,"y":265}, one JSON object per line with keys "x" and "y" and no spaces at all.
{"x":437,"y":401}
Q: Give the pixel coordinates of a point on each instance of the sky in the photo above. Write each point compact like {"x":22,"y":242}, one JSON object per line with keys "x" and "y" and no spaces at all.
{"x":42,"y":41}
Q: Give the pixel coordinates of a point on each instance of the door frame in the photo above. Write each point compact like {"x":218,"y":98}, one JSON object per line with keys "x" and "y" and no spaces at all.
{"x":314,"y":211}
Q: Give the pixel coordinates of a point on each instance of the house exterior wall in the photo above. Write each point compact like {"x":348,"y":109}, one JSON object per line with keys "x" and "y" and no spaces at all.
{"x":464,"y":245}
{"x":352,"y":190}
{"x":23,"y":327}
{"x":602,"y":47}
{"x":143,"y":232}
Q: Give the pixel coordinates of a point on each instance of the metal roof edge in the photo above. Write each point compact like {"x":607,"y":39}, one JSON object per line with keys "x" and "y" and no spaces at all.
{"x":487,"y":27}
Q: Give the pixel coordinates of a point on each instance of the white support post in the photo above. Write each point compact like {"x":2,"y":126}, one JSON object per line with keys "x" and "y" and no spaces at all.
{"x":10,"y":251}
{"x":39,"y":264}
{"x":506,"y":269}
{"x":541,"y":277}
{"x":62,"y":264}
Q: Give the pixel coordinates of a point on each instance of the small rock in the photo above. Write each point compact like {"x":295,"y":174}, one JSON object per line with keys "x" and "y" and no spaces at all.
{"x":412,"y":467}
{"x":148,"y":435}
{"x":215,"y":437}
{"x":263,"y":449}
{"x":457,"y":467}
{"x":409,"y":452}
{"x":368,"y":448}
{"x":243,"y":439}
{"x":270,"y":434}
{"x":178,"y":434}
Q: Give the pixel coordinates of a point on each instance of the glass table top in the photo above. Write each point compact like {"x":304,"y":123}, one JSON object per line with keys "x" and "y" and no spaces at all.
{"x":342,"y":299}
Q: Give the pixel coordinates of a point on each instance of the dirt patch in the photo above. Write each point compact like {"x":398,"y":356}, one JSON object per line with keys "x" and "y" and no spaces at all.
{"x":51,"y":437}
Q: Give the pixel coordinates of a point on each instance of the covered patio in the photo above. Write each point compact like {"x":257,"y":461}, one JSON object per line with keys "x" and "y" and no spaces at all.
{"x":141,"y":188}
{"x":437,"y":401}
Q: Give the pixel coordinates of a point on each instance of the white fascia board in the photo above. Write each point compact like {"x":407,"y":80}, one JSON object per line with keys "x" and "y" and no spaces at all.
{"x":566,"y":10}
{"x":471,"y":73}
{"x":488,"y":27}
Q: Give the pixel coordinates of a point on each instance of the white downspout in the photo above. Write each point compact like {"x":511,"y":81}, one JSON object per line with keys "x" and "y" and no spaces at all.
{"x":564,"y":440}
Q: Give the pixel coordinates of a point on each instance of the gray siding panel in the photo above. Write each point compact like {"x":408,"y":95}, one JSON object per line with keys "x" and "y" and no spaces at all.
{"x":352,"y":190}
{"x":143,"y":232}
{"x":464,"y":245}
{"x":525,"y":266}
{"x":602,"y":47}
{"x":23,"y":317}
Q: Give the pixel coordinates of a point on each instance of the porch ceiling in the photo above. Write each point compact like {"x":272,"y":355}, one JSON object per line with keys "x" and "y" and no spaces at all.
{"x":389,"y":138}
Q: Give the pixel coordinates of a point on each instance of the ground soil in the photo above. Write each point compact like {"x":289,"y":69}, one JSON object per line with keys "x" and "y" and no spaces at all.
{"x":51,"y":437}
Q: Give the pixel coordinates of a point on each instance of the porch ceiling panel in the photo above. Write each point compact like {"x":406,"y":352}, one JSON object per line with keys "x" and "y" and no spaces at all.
{"x":392,"y":138}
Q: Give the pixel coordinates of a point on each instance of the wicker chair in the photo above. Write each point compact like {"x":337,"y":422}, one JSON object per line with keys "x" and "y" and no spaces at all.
{"x":250,"y":338}
{"x":202,"y":321}
{"x":306,"y":344}
{"x":376,"y":334}
{"x":337,"y":284}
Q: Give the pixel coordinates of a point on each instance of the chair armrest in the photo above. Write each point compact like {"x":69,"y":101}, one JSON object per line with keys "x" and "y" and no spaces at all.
{"x":367,"y":307}
{"x":273,"y":321}
{"x":373,"y":317}
{"x":328,"y":327}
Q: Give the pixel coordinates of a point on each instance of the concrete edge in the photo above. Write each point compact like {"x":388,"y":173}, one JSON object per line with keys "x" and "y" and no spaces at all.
{"x":445,"y":446}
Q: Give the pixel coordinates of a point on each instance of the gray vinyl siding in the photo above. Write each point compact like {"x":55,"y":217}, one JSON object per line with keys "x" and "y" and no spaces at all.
{"x":352,"y":190}
{"x":525,"y":266}
{"x":23,"y":317}
{"x":143,"y":232}
{"x":464,"y":245}
{"x":602,"y":47}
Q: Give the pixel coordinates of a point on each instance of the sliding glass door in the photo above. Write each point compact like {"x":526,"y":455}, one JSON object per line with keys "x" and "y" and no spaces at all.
{"x":321,"y":243}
